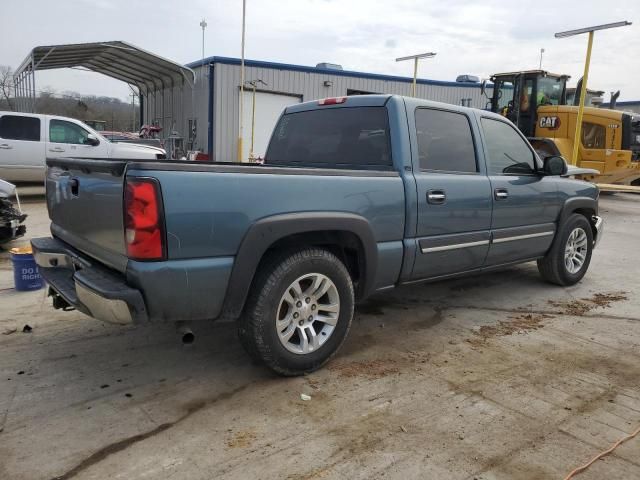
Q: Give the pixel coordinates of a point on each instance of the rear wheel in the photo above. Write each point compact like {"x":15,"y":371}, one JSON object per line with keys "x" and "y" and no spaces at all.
{"x":568,"y":259}
{"x":298,"y":312}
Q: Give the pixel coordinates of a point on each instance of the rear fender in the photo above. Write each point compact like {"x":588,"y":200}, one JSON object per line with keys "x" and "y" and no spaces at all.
{"x":267,"y":231}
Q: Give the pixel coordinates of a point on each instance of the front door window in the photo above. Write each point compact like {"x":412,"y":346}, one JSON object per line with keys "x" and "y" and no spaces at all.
{"x":508,"y":153}
{"x":61,"y":131}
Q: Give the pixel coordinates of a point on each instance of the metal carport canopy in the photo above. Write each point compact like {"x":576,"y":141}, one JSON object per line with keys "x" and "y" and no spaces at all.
{"x":120,"y":60}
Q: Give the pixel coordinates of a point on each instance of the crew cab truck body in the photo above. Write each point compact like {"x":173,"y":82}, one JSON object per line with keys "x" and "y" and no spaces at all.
{"x":28,"y":139}
{"x":357,"y":195}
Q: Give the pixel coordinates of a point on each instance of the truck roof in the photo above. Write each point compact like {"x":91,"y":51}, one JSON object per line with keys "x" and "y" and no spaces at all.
{"x":352,"y":101}
{"x":376,"y":100}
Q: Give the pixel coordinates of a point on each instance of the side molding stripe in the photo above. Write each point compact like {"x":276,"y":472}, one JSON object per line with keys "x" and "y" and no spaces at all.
{"x":522,"y":237}
{"x":455,"y":246}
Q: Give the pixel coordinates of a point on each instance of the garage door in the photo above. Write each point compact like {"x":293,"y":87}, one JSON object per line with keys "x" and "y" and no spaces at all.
{"x":269,"y":106}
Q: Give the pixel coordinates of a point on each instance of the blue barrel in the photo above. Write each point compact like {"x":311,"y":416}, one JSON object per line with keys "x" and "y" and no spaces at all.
{"x":25,"y":271}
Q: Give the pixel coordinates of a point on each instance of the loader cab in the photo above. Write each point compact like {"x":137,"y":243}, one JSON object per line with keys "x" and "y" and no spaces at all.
{"x":517,"y":95}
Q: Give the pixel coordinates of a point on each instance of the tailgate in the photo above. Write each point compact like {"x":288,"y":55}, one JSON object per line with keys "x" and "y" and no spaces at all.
{"x":85,"y":203}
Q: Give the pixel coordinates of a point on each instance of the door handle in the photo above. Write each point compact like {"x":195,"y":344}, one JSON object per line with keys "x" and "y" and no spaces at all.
{"x":5,"y":146}
{"x":436,"y":197}
{"x":74,"y":184}
{"x":56,"y":150}
{"x":501,"y":193}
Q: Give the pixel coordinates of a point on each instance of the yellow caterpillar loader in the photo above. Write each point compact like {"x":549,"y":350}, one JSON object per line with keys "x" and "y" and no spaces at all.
{"x":535,"y":101}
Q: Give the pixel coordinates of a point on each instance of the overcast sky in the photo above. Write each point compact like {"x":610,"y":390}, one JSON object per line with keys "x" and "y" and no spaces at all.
{"x":472,"y":37}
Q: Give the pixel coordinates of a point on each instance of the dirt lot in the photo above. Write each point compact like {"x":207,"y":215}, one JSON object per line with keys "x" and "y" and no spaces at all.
{"x":491,"y":377}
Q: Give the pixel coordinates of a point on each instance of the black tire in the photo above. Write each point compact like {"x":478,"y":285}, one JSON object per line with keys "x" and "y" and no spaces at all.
{"x":257,"y":326}
{"x":552,"y":267}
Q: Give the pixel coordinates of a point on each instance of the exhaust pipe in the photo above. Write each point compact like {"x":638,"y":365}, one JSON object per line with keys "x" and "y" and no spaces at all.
{"x":614,"y":99}
{"x":186,"y":334}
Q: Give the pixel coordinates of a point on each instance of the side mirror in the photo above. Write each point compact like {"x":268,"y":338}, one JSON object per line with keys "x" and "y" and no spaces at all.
{"x":483,"y":88}
{"x":92,"y":140}
{"x":555,"y":165}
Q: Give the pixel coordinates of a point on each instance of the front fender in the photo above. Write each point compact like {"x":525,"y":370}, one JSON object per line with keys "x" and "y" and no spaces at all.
{"x":577,"y":204}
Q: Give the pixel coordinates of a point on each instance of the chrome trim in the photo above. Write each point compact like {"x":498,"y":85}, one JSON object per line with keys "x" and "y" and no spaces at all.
{"x":599,"y":226}
{"x":48,"y":260}
{"x":522,"y":237}
{"x":105,"y":309}
{"x":455,"y":246}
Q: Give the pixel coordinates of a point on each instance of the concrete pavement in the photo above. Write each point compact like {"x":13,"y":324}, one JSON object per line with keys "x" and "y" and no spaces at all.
{"x":499,"y":376}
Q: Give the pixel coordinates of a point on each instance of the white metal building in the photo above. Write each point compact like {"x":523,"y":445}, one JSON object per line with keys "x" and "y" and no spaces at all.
{"x":209,"y":117}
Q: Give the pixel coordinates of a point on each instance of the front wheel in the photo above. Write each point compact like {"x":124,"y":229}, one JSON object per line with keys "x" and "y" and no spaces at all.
{"x":298,"y":312}
{"x":568,"y":259}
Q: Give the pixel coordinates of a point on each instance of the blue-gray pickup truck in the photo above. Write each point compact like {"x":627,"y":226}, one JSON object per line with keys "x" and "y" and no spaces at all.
{"x":357,"y":195}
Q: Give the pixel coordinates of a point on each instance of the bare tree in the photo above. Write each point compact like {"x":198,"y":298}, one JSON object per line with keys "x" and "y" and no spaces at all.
{"x":6,"y":85}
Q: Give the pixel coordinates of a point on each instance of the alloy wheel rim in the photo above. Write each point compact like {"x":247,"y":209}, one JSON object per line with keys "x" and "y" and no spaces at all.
{"x":575,"y":252}
{"x":307,"y":313}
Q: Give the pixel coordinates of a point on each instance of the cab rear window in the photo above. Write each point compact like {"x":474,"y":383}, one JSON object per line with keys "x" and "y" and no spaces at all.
{"x":353,"y":138}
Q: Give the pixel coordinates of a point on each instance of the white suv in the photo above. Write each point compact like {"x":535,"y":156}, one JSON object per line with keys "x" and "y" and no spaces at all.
{"x":27,"y":140}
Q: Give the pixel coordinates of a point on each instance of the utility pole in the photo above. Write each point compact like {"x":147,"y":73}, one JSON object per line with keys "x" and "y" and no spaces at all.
{"x":583,"y":92}
{"x":253,"y":84}
{"x":415,"y":59}
{"x":241,"y":129}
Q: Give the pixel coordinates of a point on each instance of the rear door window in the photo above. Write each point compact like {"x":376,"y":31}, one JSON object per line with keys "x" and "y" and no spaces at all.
{"x":445,"y":142}
{"x":356,"y":138}
{"x":17,"y":127}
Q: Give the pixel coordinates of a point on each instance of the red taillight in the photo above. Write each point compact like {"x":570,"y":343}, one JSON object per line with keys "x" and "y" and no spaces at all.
{"x":144,"y":233}
{"x":332,"y":101}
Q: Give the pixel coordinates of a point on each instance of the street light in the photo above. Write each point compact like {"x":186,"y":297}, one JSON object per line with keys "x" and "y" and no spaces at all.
{"x":583,"y":90}
{"x":203,"y":24}
{"x":415,"y":59}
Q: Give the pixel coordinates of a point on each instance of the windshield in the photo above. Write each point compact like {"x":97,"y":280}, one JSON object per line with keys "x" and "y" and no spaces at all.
{"x":550,"y":90}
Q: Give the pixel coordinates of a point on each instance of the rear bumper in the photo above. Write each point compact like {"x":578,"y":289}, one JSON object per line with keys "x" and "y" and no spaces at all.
{"x":89,"y":287}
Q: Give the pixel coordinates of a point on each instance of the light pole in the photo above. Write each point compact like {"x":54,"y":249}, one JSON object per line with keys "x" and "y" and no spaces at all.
{"x":254,"y":84}
{"x":415,"y":59}
{"x":203,"y":24}
{"x":241,"y":129}
{"x":541,"y":52}
{"x":570,"y":33}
